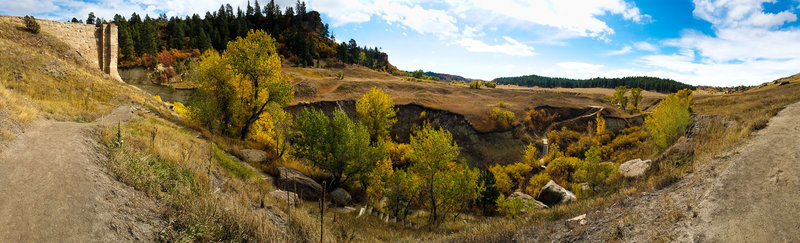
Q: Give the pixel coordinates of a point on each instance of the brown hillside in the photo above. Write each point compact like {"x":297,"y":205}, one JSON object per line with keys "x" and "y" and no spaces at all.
{"x":317,"y":84}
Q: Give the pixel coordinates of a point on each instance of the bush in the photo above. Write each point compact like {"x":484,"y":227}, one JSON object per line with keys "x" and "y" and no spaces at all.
{"x":536,"y":120}
{"x":31,"y":25}
{"x":339,"y":75}
{"x":475,"y":84}
{"x":490,"y":84}
{"x":502,"y":118}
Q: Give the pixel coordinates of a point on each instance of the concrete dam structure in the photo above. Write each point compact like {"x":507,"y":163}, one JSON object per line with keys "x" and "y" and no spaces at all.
{"x":97,"y":44}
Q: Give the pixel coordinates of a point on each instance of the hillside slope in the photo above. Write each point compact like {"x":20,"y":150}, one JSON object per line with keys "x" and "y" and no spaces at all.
{"x":85,"y":158}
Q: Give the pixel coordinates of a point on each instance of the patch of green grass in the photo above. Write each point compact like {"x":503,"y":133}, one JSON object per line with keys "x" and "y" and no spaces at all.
{"x":231,"y":164}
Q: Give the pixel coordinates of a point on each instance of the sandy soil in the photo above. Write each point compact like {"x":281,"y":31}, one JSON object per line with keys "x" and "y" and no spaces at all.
{"x":746,"y":194}
{"x":54,"y":190}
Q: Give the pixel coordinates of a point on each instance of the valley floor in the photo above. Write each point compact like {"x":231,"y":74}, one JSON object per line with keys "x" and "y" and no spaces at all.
{"x":747,"y":194}
{"x":53,"y":188}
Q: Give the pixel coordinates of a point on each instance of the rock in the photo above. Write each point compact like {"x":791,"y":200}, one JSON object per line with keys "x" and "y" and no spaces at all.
{"x":580,"y":219}
{"x":340,"y":196}
{"x":253,"y":155}
{"x":292,"y":180}
{"x":552,"y":194}
{"x":634,"y":168}
{"x":284,"y":196}
{"x":528,"y":199}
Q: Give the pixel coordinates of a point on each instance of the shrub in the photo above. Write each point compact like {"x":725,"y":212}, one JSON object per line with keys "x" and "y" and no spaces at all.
{"x":502,"y":118}
{"x":536,"y":120}
{"x":164,"y":57}
{"x":31,"y":25}
{"x":475,"y":84}
{"x":537,"y":182}
{"x":490,"y":84}
{"x":510,"y":206}
{"x":339,"y":75}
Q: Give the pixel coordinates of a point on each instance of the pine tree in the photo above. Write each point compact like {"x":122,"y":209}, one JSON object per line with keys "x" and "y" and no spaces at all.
{"x":91,"y":18}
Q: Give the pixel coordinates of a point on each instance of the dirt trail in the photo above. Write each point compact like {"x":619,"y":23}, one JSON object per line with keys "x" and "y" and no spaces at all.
{"x":52,"y":188}
{"x":746,"y":194}
{"x":756,"y":196}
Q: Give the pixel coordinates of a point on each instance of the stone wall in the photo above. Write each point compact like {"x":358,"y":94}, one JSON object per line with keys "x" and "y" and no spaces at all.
{"x":96,"y":44}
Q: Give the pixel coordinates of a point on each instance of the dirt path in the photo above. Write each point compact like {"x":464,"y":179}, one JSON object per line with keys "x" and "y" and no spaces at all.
{"x":750,"y":193}
{"x":757,"y":195}
{"x":53,"y":190}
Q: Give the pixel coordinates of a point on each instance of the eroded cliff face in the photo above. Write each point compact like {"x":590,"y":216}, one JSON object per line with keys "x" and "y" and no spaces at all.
{"x":479,"y":149}
{"x":96,"y":44}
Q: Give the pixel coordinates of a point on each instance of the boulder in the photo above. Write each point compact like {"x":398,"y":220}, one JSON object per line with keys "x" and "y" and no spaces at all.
{"x":292,"y":180}
{"x":284,"y":197}
{"x":528,"y":199}
{"x":634,"y":168}
{"x":253,"y":155}
{"x":552,"y":194}
{"x":340,"y":196}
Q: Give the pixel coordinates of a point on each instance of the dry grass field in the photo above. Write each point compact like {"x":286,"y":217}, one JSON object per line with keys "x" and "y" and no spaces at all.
{"x":317,"y":84}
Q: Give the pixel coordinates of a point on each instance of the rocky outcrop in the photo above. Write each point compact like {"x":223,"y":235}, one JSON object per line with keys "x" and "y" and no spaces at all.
{"x":528,"y":199}
{"x":340,"y":196}
{"x":634,"y":168}
{"x":292,"y":180}
{"x":552,"y":194}
{"x":253,"y":155}
{"x":285,"y":197}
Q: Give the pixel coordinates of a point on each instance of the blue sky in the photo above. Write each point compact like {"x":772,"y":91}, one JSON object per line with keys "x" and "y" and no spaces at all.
{"x":701,"y":42}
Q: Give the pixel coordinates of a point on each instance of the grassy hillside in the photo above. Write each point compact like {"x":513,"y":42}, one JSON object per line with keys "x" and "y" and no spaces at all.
{"x":206,"y":194}
{"x":315,"y":84}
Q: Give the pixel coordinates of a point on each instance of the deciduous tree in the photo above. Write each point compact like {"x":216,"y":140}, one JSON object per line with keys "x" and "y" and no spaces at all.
{"x":376,"y":111}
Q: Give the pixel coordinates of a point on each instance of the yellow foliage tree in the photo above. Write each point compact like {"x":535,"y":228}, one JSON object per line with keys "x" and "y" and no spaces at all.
{"x":669,"y":119}
{"x":243,"y":83}
{"x":530,"y":156}
{"x":376,"y":111}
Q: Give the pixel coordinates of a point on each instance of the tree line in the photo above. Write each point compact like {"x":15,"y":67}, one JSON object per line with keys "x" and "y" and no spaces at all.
{"x":647,"y":83}
{"x":302,"y":38}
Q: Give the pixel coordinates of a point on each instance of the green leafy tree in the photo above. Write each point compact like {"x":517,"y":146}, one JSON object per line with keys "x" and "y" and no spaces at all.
{"x":418,"y":74}
{"x":434,"y":151}
{"x":376,"y":110}
{"x":488,"y":197}
{"x":337,"y":145}
{"x":636,"y":97}
{"x":619,"y":97}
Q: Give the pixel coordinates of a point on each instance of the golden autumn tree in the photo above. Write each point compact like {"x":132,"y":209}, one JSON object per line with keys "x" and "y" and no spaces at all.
{"x":670,"y":119}
{"x":376,"y":111}
{"x":246,"y":80}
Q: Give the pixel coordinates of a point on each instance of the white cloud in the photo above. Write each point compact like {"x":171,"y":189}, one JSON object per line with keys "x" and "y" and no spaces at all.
{"x":579,"y":69}
{"x":645,"y":46}
{"x":408,"y":14}
{"x":580,"y":17}
{"x":740,"y":13}
{"x":512,"y":47}
{"x":624,"y":50}
{"x":748,"y":46}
